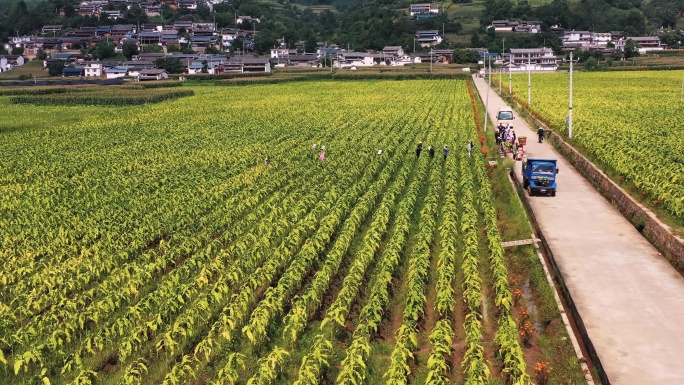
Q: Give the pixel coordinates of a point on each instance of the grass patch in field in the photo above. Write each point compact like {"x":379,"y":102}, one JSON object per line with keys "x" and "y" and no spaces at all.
{"x":29,"y":70}
{"x":103,"y":97}
{"x":317,"y":8}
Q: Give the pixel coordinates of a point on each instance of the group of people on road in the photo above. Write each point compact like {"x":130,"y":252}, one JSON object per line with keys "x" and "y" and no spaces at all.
{"x":505,"y":134}
{"x":505,"y":139}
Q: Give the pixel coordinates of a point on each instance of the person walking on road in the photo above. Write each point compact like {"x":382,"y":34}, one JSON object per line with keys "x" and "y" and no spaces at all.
{"x":446,"y":151}
{"x":431,"y":151}
{"x":470,"y":148}
{"x":419,"y":149}
{"x":540,"y":134}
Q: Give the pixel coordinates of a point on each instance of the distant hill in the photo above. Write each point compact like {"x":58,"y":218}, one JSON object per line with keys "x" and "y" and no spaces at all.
{"x":373,"y":24}
{"x":5,"y":5}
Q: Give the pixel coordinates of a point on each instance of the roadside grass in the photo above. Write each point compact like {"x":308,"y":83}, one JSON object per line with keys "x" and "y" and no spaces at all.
{"x":525,"y":271}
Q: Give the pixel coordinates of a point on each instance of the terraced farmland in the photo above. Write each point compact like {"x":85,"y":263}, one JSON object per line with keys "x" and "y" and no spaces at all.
{"x":154,"y":244}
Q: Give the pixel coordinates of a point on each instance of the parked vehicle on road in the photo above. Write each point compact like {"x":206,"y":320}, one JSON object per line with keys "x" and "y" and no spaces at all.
{"x":539,"y":176}
{"x":505,"y":116}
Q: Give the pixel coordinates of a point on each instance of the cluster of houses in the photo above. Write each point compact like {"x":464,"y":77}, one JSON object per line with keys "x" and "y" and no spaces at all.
{"x":103,"y":8}
{"x":607,"y":42}
{"x":198,"y":36}
{"x":143,"y":67}
{"x":423,"y":11}
{"x":341,"y":58}
{"x":8,"y":62}
{"x":543,"y":59}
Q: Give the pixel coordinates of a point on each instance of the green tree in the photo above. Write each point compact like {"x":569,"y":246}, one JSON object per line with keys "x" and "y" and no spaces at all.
{"x":135,"y":14}
{"x":104,"y":49}
{"x":171,"y":64}
{"x":41,"y":55}
{"x":671,"y":38}
{"x":129,"y":49}
{"x":466,"y":56}
{"x":17,"y":50}
{"x":55,"y":68}
{"x":203,"y":11}
{"x":631,"y":49}
{"x":591,"y":64}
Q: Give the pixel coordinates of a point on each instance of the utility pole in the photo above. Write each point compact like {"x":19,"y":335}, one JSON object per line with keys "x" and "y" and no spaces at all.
{"x":529,"y":80}
{"x":430,"y":60}
{"x":487,"y":100}
{"x":500,"y":70}
{"x":570,"y":103}
{"x":503,"y":50}
{"x":510,"y":73}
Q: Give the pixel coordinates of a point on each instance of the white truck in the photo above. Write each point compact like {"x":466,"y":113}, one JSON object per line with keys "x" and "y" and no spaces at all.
{"x":505,"y":116}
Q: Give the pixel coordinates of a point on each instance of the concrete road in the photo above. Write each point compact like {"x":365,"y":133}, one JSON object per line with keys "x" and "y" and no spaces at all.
{"x":630,"y":299}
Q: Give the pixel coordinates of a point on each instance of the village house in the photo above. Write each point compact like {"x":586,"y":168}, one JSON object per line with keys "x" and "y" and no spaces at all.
{"x":145,"y":38}
{"x":393,"y":50}
{"x":282,"y":53}
{"x":646,"y":43}
{"x":306,"y":60}
{"x":215,"y":65}
{"x":428,"y":38}
{"x":113,"y":15}
{"x":152,"y":74}
{"x":406,"y":60}
{"x":256,"y":65}
{"x":116,"y":72}
{"x":134,"y":67}
{"x":522,"y":26}
{"x":123,"y":29}
{"x":152,"y":10}
{"x":534,"y":59}
{"x":73,"y":72}
{"x":246,"y":19}
{"x":169,"y":37}
{"x":186,"y":24}
{"x":51,"y":29}
{"x":8,"y":62}
{"x":423,"y":10}
{"x":353,"y":59}
{"x":92,"y":69}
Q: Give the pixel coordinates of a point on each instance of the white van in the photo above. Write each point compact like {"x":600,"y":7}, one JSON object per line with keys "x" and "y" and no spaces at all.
{"x":505,"y":116}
